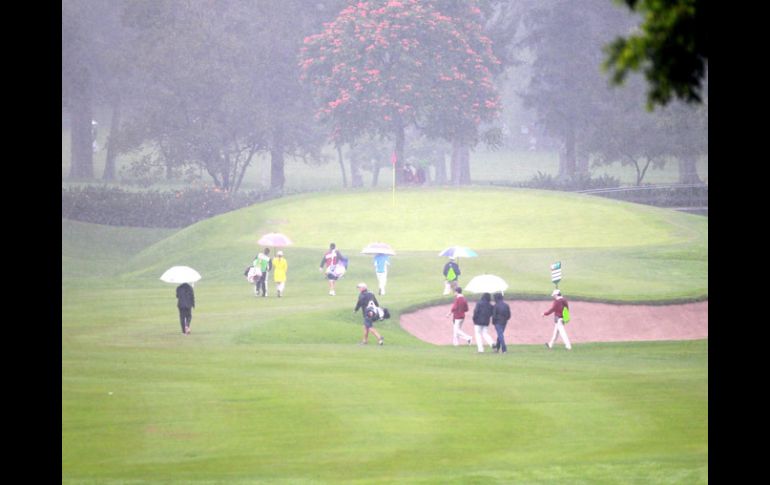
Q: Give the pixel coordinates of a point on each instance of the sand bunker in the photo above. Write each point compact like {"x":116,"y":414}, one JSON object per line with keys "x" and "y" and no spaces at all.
{"x":591,"y":322}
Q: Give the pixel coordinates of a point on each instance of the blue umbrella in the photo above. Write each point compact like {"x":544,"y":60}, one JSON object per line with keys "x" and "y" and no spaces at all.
{"x":458,"y":252}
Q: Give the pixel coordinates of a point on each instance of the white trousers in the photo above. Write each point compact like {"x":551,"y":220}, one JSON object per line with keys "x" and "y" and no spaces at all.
{"x":482,"y":331}
{"x":458,"y":332}
{"x":382,"y":279}
{"x":558,"y":330}
{"x":280,"y":286}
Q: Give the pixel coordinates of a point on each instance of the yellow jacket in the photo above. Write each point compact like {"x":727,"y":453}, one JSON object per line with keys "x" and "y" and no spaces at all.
{"x":280,"y":266}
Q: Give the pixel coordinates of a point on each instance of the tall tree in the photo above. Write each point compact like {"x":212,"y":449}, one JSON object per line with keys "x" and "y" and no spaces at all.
{"x":78,"y":59}
{"x":624,"y":131}
{"x":566,"y":85}
{"x":220,"y":85}
{"x":384,"y":65}
{"x":670,"y":47}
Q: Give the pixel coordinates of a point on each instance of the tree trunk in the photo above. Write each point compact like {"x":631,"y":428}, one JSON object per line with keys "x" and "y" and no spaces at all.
{"x":109,"y":163}
{"x":582,"y":163}
{"x":355,"y":173}
{"x":440,"y":165}
{"x":465,"y":165}
{"x":460,"y":164}
{"x":688,"y":172}
{"x":567,"y":158}
{"x":277,"y":177}
{"x":400,"y":137}
{"x":342,"y":166}
{"x":81,"y":148}
{"x":375,"y":174}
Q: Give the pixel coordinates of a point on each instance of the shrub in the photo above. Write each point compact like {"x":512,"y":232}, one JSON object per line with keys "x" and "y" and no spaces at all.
{"x":116,"y":207}
{"x":580,"y":181}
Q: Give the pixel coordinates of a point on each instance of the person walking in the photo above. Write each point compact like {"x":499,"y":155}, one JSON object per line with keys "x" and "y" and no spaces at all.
{"x":482,"y":313}
{"x":458,"y":310}
{"x":265,"y":264}
{"x":328,"y":263}
{"x":381,"y":263}
{"x":185,"y":302}
{"x":557,"y":308}
{"x":364,"y":297}
{"x":451,"y":275}
{"x":501,"y":313}
{"x":280,"y":268}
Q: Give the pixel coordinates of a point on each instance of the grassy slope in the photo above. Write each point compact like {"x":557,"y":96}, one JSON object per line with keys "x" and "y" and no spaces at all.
{"x":259,"y":393}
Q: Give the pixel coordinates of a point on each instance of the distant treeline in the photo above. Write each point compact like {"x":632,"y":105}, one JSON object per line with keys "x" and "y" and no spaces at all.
{"x":116,"y":207}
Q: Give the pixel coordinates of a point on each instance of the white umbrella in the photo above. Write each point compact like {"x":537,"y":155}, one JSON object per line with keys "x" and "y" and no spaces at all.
{"x":486,"y":283}
{"x":378,"y":248}
{"x":458,"y":251}
{"x":180,"y":274}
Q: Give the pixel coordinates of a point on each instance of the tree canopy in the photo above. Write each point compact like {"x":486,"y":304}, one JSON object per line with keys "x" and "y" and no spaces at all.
{"x":671,"y":48}
{"x":384,"y":65}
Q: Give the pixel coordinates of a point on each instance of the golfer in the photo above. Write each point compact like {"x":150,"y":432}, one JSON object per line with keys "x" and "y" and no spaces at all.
{"x":264,"y":262}
{"x":557,"y":308}
{"x":501,"y":313}
{"x":482,"y":313}
{"x":381,"y":263}
{"x":364,"y":297}
{"x":458,"y":310}
{"x":328,"y":265}
{"x":185,"y":297}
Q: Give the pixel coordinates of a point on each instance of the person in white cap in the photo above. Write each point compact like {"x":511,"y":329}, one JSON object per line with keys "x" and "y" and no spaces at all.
{"x":280,"y":268}
{"x":557,"y":308}
{"x":364,"y":297}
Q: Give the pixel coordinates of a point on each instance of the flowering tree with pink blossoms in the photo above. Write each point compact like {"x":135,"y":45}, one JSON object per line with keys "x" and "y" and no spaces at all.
{"x":384,"y":65}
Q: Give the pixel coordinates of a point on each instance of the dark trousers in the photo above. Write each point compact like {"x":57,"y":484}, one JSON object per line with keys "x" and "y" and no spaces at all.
{"x":501,"y":337}
{"x":261,"y":287}
{"x":185,"y":317}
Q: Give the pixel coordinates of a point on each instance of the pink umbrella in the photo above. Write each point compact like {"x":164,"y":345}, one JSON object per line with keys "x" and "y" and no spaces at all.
{"x":378,"y":248}
{"x":274,"y":239}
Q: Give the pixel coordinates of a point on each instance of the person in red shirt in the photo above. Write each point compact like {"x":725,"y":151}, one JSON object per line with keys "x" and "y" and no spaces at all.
{"x":459,"y":307}
{"x":557,"y":308}
{"x":328,"y":265}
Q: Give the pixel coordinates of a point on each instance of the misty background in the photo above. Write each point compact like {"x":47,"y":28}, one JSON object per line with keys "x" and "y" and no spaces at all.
{"x":228,"y":102}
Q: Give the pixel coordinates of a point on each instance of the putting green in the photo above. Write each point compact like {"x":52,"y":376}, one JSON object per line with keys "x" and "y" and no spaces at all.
{"x":432,"y":219}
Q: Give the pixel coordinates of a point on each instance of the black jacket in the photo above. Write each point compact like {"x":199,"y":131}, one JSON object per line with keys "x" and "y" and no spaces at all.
{"x":482,"y":312}
{"x":501,"y":313}
{"x":185,"y":296}
{"x":364,"y":298}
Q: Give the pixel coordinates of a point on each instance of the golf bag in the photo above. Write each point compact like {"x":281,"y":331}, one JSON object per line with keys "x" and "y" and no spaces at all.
{"x":338,"y":270}
{"x":253,"y":274}
{"x":374,"y":313}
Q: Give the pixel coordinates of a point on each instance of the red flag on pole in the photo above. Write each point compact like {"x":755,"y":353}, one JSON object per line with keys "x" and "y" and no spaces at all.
{"x":393,"y":159}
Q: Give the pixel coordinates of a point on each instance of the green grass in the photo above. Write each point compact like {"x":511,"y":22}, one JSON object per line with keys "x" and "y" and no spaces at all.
{"x":277,"y":391}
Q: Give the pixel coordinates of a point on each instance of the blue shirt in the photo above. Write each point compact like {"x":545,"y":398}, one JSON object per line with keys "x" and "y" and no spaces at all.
{"x":380,"y":261}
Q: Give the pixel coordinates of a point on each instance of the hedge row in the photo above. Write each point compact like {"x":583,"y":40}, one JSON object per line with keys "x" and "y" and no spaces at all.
{"x":685,"y":196}
{"x":116,"y":207}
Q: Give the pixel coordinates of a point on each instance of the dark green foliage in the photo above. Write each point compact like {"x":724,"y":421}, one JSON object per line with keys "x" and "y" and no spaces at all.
{"x":693,"y":195}
{"x":671,"y":49}
{"x":579,"y":181}
{"x":115,"y":207}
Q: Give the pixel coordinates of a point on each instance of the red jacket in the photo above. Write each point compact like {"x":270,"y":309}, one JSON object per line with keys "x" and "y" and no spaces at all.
{"x":558,"y":307}
{"x":459,"y":307}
